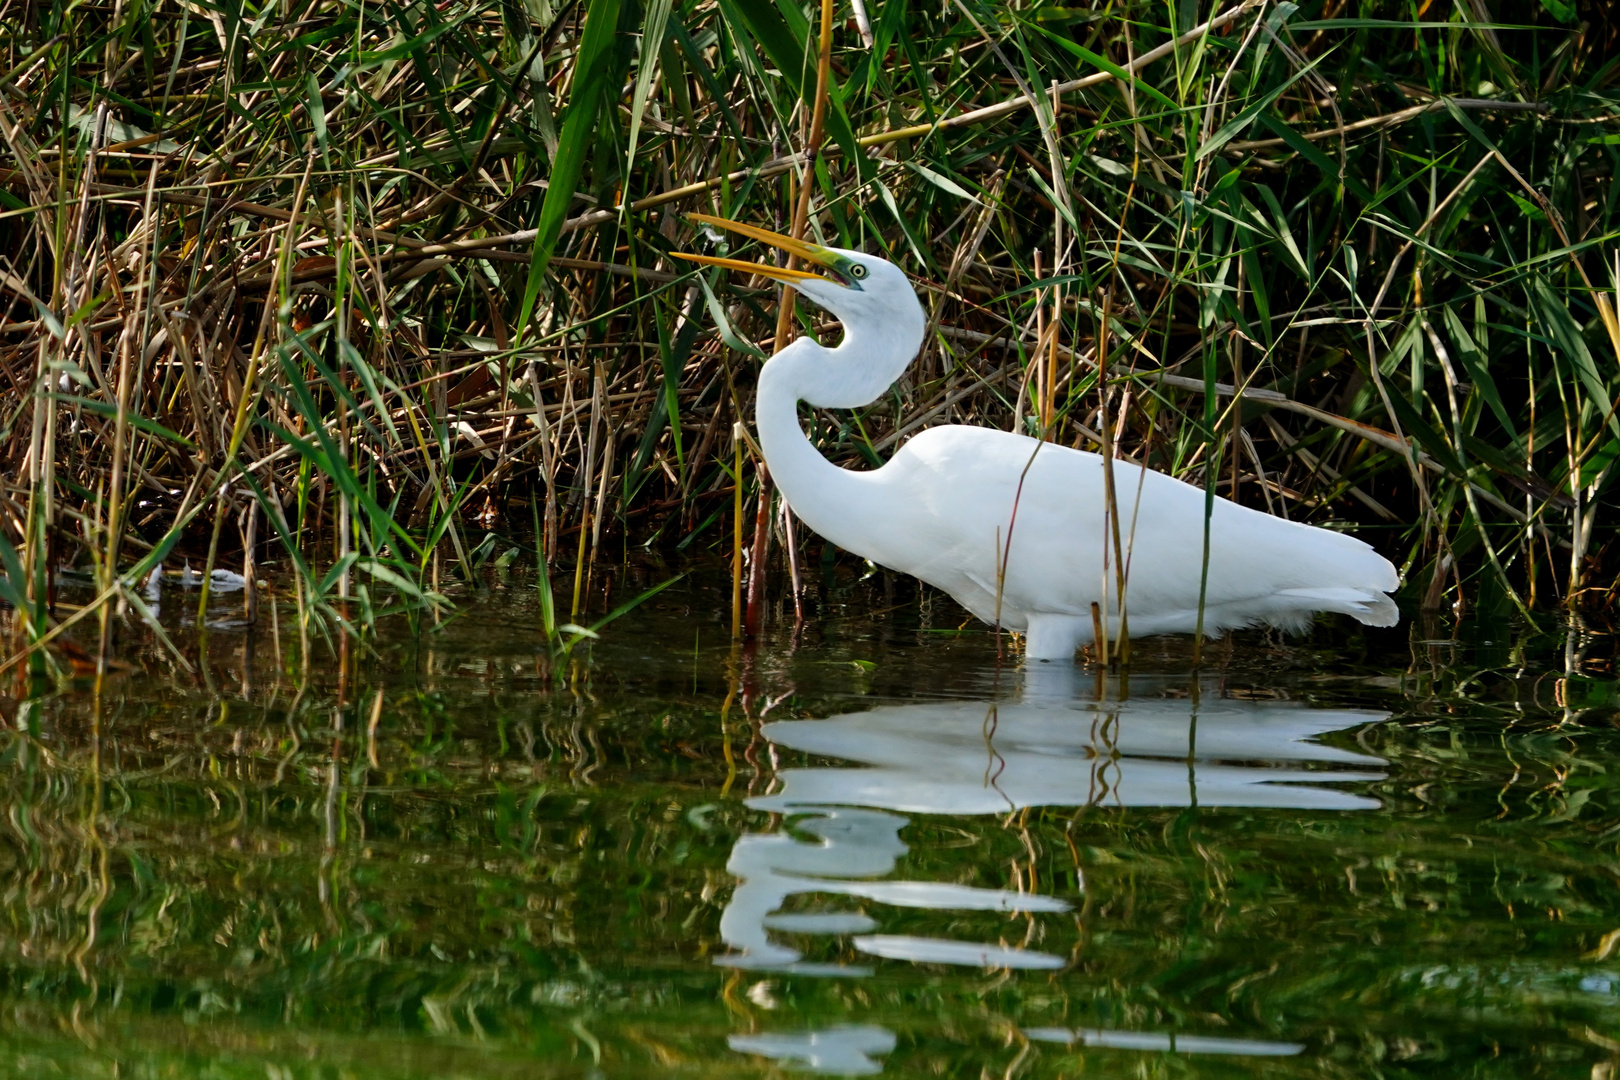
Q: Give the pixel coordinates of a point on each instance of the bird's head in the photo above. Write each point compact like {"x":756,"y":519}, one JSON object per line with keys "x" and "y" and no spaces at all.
{"x":861,"y":290}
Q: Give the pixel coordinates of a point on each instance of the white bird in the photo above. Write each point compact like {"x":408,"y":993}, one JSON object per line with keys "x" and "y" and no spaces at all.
{"x":1016,"y":529}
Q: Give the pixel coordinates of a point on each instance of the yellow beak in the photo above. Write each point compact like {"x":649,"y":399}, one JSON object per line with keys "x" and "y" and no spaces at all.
{"x":813,"y":253}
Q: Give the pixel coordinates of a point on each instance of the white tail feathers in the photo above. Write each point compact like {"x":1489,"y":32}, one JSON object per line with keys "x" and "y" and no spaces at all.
{"x":1368,"y":606}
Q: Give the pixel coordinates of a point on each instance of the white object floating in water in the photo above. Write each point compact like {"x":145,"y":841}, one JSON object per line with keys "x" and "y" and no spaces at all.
{"x":1175,"y":1044}
{"x":839,"y":1051}
{"x":154,"y":584}
{"x":222,"y":581}
{"x":225,"y":581}
{"x":924,"y":950}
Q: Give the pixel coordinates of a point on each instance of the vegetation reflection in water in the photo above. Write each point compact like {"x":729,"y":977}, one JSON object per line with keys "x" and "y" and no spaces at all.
{"x":864,"y":848}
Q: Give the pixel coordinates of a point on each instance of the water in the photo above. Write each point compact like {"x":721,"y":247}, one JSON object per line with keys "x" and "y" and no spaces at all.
{"x":866,"y":849}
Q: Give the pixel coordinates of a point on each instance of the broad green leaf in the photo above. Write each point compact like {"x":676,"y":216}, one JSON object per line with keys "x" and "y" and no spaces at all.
{"x":1559,"y":10}
{"x":328,"y":457}
{"x":629,"y":605}
{"x":652,"y":38}
{"x":337,"y":570}
{"x":1418,"y":429}
{"x":1478,"y":373}
{"x":793,"y":49}
{"x":944,"y":183}
{"x":13,"y":583}
{"x":370,"y":378}
{"x":1235,"y":127}
{"x":1565,"y":332}
{"x":728,"y":333}
{"x":399,"y":581}
{"x":406,"y":48}
{"x":1312,"y":153}
{"x":134,"y":420}
{"x":1284,"y":231}
{"x":919,"y":247}
{"x":1595,"y":466}
{"x":593,"y":78}
{"x":317,"y":116}
{"x":1118,"y":72}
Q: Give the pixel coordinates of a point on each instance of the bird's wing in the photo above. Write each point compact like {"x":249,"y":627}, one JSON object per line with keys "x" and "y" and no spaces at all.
{"x":955,"y":495}
{"x":1254,"y":558}
{"x":963,"y":501}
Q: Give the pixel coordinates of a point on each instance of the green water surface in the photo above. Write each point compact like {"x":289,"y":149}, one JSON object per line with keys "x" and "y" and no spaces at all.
{"x":866,"y":847}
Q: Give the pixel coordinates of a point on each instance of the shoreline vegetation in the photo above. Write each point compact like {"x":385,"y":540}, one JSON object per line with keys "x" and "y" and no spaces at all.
{"x":343,"y":297}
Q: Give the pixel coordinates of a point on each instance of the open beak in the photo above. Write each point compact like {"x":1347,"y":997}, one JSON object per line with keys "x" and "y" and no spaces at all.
{"x":811,"y":253}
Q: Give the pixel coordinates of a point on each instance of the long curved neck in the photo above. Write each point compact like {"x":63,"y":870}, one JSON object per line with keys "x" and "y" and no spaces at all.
{"x":812,"y":485}
{"x":853,"y":374}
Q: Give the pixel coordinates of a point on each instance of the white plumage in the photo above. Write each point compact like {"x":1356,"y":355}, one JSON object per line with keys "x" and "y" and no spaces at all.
{"x":943,"y":508}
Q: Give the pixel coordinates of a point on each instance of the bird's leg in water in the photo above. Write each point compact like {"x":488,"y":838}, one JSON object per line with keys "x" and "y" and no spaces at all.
{"x":736,"y":529}
{"x":1053,"y":637}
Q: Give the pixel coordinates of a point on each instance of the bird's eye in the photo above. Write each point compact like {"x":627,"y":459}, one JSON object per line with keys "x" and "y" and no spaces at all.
{"x":857,"y":271}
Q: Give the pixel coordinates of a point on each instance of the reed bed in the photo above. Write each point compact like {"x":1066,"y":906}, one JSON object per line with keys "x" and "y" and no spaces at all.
{"x":336,"y":296}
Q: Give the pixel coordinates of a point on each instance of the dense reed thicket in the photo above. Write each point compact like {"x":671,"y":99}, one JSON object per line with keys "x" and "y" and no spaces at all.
{"x":350,"y":287}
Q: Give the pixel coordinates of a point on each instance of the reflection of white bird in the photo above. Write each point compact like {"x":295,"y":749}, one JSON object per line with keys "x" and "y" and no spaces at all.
{"x":957,"y":503}
{"x":975,"y":757}
{"x":852,"y":846}
{"x":987,"y":757}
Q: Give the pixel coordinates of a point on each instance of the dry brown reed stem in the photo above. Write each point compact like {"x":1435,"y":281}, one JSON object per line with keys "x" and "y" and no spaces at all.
{"x":1059,"y":257}
{"x":736,"y":530}
{"x":1110,"y":494}
{"x":1121,"y":551}
{"x":115,"y":486}
{"x":784,"y":318}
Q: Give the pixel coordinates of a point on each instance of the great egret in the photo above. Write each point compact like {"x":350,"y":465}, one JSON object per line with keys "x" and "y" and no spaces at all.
{"x":1013,"y":528}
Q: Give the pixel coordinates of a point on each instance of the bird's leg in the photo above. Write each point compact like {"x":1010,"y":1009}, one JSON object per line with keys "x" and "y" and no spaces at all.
{"x":1053,"y":636}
